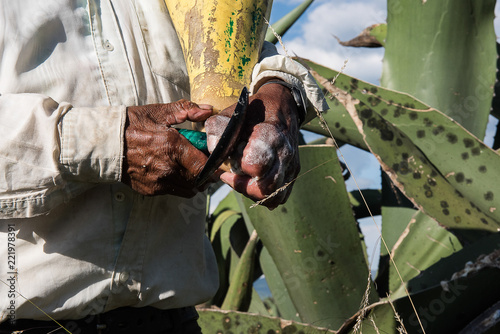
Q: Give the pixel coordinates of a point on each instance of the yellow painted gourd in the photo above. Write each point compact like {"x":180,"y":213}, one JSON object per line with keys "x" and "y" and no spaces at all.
{"x":221,"y":41}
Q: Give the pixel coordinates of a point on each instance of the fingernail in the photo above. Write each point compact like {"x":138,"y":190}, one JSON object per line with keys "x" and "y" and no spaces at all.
{"x":205,"y":106}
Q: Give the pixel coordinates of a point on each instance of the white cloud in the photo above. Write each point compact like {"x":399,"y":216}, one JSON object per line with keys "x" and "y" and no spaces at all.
{"x":315,"y":40}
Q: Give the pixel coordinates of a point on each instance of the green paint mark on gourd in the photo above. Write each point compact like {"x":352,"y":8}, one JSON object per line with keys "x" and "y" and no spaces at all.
{"x":245,"y":60}
{"x":229,"y":32}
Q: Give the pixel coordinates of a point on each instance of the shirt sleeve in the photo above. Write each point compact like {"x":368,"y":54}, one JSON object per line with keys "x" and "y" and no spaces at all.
{"x":51,"y":152}
{"x":272,"y":64}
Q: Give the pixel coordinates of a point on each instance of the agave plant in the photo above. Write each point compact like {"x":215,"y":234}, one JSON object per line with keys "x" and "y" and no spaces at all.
{"x":440,"y":193}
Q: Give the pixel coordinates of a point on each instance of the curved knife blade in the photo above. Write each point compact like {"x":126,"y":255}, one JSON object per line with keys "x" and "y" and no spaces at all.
{"x":227,"y":141}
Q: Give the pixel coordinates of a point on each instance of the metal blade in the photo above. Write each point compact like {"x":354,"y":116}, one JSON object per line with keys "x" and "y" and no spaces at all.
{"x":227,"y":141}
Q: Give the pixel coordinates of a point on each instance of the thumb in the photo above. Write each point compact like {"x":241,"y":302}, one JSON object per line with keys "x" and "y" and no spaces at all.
{"x":180,"y":111}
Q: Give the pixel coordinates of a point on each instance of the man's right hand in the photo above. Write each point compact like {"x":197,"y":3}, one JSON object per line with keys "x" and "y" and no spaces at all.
{"x":158,"y":159}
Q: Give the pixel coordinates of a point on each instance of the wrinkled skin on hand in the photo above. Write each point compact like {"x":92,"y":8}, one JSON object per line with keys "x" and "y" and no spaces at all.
{"x":158,"y":159}
{"x":270,"y":157}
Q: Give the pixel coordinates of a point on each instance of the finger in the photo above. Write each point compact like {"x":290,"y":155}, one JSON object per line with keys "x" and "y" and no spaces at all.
{"x":183,"y":110}
{"x":252,"y":188}
{"x":258,"y":158}
{"x":215,"y":126}
{"x":189,"y":158}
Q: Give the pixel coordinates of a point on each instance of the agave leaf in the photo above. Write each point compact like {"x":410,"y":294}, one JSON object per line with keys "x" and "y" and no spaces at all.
{"x":445,"y":308}
{"x":257,"y":305}
{"x":379,"y":31}
{"x":338,"y":121}
{"x":412,"y":162}
{"x":283,"y":24}
{"x":446,"y":267}
{"x":443,"y":53}
{"x":415,"y":175}
{"x":224,"y":254}
{"x":308,"y":239}
{"x":466,"y":162}
{"x":371,"y":37}
{"x":278,"y":289}
{"x":227,"y":322}
{"x":373,"y":201}
{"x":433,"y":243}
{"x":242,"y":277}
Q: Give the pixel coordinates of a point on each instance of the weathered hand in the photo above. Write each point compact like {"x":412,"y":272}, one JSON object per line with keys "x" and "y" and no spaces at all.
{"x":270,"y":158}
{"x":158,"y":159}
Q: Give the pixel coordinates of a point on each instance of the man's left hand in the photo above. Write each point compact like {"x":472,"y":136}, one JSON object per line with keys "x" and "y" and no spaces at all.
{"x":270,"y":158}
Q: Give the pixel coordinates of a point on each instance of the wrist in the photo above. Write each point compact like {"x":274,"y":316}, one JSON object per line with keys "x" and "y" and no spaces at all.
{"x":296,"y":94}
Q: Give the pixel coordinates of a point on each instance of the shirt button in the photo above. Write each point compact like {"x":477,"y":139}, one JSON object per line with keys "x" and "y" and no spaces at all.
{"x":119,"y":196}
{"x":124,"y":277}
{"x":108,"y":46}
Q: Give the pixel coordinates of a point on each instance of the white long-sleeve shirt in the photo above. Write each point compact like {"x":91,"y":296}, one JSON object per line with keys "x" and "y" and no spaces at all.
{"x":86,"y":243}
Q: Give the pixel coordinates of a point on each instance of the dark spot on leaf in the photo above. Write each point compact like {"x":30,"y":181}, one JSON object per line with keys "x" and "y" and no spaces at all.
{"x":431,"y":182}
{"x":373,"y":90}
{"x":428,"y":193}
{"x":366,"y":113}
{"x":484,"y":221}
{"x":417,"y":175}
{"x":283,"y":209}
{"x":465,"y":156}
{"x":397,"y":112}
{"x":405,"y":156}
{"x":427,"y":122}
{"x":444,"y":204}
{"x":399,"y":142}
{"x":468,"y":181}
{"x":385,"y":133}
{"x":290,"y":329}
{"x":438,"y":130}
{"x":372,"y":122}
{"x":482,"y":169}
{"x":321,"y":253}
{"x":342,"y":130}
{"x":446,"y":212}
{"x":467,"y":211}
{"x":337,"y":125}
{"x":420,"y":134}
{"x":468,"y":142}
{"x":395,"y":167}
{"x":489,"y":196}
{"x":403,"y":167}
{"x":476,"y":151}
{"x":413,"y":115}
{"x":434,"y":173}
{"x":459,"y":177}
{"x":384,"y":111}
{"x":452,"y":138}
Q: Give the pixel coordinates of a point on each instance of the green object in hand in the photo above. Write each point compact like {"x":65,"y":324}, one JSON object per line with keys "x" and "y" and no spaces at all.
{"x":197,"y":138}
